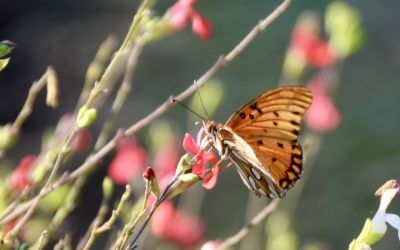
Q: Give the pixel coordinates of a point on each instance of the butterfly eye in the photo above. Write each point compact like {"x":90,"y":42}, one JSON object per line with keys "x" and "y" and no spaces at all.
{"x":213,"y":129}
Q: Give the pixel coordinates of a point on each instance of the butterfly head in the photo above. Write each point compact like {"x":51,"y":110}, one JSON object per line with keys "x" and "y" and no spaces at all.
{"x":212,"y":131}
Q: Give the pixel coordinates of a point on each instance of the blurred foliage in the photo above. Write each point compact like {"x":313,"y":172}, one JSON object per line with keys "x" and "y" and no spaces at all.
{"x":344,"y":25}
{"x":353,"y":161}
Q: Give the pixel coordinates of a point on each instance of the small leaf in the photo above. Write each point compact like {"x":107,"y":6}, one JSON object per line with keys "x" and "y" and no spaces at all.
{"x":4,"y":63}
{"x":6,"y":47}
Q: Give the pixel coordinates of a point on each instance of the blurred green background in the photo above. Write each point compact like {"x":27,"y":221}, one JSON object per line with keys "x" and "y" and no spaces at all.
{"x":354,"y":160}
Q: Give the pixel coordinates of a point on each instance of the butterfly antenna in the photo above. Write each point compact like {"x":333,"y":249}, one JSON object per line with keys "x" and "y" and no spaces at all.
{"x":201,"y":100}
{"x":189,"y":109}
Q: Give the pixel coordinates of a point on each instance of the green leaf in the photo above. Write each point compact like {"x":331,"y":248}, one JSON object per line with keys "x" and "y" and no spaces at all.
{"x":6,"y":47}
{"x":4,"y":63}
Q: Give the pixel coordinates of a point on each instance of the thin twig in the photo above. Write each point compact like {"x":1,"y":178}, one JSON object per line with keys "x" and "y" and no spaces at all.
{"x":26,"y":110}
{"x":98,"y":229}
{"x":121,"y":95}
{"x":242,"y":233}
{"x":41,"y":242}
{"x":60,"y":156}
{"x":96,"y":67}
{"x":221,"y":62}
{"x":135,"y":218}
{"x":155,"y":205}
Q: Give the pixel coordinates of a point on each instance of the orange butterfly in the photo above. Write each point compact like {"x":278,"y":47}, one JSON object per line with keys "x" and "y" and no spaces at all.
{"x":261,"y":139}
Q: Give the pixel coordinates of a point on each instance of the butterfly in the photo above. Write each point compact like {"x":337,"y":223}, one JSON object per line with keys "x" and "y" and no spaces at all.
{"x":261,"y":139}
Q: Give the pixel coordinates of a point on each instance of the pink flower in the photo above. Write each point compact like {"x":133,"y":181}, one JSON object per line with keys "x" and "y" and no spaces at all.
{"x":166,"y":159}
{"x":201,"y":158}
{"x":81,"y":141}
{"x":321,"y":55}
{"x":201,"y":26}
{"x":315,"y":51}
{"x":176,"y":226}
{"x":128,"y":163}
{"x":180,"y":13}
{"x":323,"y":115}
{"x":19,"y":177}
{"x":183,"y":11}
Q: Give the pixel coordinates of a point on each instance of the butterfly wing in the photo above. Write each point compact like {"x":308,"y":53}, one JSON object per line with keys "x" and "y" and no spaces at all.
{"x":270,"y":125}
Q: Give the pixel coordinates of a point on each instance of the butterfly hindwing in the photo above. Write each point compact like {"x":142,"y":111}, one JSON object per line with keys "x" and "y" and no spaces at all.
{"x":270,"y":124}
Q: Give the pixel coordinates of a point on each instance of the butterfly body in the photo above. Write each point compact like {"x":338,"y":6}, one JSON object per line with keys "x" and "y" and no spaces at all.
{"x":261,"y":139}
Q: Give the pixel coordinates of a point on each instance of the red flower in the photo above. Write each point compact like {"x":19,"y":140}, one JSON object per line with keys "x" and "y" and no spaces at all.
{"x":179,"y":227}
{"x":81,"y":141}
{"x":182,"y":11}
{"x":315,"y":51}
{"x":201,"y":26}
{"x":128,"y":163}
{"x":19,"y":178}
{"x":201,"y":158}
{"x":321,"y":55}
{"x":323,"y":115}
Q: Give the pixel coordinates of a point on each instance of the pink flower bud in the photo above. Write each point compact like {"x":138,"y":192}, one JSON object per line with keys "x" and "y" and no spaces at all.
{"x":148,"y":173}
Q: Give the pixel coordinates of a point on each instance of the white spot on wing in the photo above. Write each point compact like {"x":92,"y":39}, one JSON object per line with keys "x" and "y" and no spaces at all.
{"x":261,"y":191}
{"x":255,"y":173}
{"x":252,"y":183}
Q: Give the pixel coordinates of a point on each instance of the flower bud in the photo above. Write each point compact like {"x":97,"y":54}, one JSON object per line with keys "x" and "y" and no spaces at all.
{"x":7,"y":138}
{"x":148,"y":174}
{"x":108,"y":188}
{"x":185,"y":164}
{"x":183,"y":183}
{"x":150,"y":178}
{"x":86,"y":116}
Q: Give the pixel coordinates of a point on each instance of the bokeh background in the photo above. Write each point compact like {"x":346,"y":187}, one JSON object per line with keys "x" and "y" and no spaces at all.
{"x":354,"y":160}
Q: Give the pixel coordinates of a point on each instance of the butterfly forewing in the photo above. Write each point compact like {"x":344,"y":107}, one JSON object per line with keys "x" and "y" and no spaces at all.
{"x":270,"y":125}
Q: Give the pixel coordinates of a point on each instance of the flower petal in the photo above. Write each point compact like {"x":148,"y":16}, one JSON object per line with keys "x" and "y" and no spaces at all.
{"x":199,"y":170}
{"x":190,"y":145}
{"x":201,"y":26}
{"x":209,"y":156}
{"x":378,"y":223}
{"x":210,"y":181}
{"x":387,"y":197}
{"x":394,"y":221}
